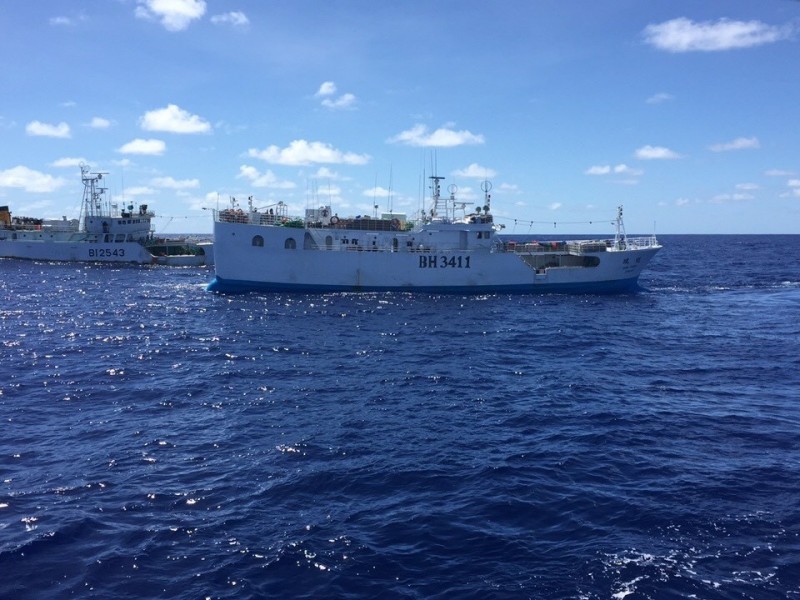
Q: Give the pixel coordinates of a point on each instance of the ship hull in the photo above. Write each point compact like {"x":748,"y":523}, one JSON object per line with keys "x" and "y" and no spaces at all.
{"x":122,"y":252}
{"x":272,"y":267}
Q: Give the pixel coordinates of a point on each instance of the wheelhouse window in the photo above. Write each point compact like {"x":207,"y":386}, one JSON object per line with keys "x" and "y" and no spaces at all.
{"x":258,"y":241}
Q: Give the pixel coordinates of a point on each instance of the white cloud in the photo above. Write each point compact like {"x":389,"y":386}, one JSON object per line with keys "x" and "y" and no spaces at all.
{"x":140,"y":146}
{"x":47,"y":130}
{"x":747,"y":186}
{"x":682,"y":202}
{"x":626,"y":170}
{"x":555,"y":206}
{"x":326,"y":173}
{"x":139,"y":191}
{"x":726,"y":198}
{"x":175,"y":184}
{"x":328,"y":88}
{"x":794,"y":185}
{"x":267,"y":180}
{"x":621,"y":169}
{"x":377,"y":192}
{"x":235,"y":18}
{"x":66,"y":21}
{"x":655,"y":153}
{"x":302,"y":152}
{"x":659,"y":98}
{"x":100,"y":123}
{"x":343,"y":101}
{"x":69,"y":162}
{"x":779,"y":173}
{"x":29,"y":180}
{"x":476,"y":171}
{"x":737,"y":144}
{"x":173,"y":119}
{"x":441,"y":138}
{"x":684,"y":35}
{"x":174,"y":15}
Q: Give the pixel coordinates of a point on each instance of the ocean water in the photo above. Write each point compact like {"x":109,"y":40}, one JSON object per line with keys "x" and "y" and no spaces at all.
{"x":160,"y":441}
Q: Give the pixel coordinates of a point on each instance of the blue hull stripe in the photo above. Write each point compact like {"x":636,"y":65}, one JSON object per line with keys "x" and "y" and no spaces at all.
{"x":229,"y":286}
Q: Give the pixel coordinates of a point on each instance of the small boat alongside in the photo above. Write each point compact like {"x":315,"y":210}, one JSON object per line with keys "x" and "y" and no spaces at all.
{"x":446,"y":249}
{"x":180,"y":252}
{"x":103,"y":233}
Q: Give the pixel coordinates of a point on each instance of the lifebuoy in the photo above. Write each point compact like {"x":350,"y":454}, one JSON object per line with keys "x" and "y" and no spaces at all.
{"x":334,"y":220}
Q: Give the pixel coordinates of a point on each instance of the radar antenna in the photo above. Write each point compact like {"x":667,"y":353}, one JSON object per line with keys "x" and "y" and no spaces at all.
{"x":486,"y":187}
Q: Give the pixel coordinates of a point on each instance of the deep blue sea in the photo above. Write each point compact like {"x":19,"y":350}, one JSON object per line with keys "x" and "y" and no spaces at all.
{"x":161,"y":441}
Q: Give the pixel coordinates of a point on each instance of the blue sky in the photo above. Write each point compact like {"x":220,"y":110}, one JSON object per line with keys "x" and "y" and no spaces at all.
{"x":685,"y":112}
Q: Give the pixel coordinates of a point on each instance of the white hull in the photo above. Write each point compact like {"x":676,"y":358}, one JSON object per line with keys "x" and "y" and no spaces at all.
{"x":71,"y":251}
{"x":241,"y":266}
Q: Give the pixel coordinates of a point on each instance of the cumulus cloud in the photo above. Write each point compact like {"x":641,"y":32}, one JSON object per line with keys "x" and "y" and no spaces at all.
{"x":327,"y":91}
{"x":377,"y":192}
{"x":173,"y":119}
{"x":476,"y":171}
{"x":99,"y":123}
{"x":621,"y":169}
{"x":62,"y":21}
{"x":235,"y":18}
{"x":267,"y":180}
{"x":659,"y":98}
{"x":794,"y":187}
{"x":727,"y":198}
{"x":737,"y":144}
{"x":38,"y":128}
{"x":685,"y":35}
{"x":139,"y":191}
{"x":656,"y":153}
{"x":326,"y":173}
{"x":343,"y":101}
{"x":778,"y":173}
{"x":302,"y":152}
{"x":174,"y":15}
{"x":328,"y":88}
{"x":444,"y":137}
{"x":175,"y":184}
{"x":140,"y":146}
{"x":26,"y":179}
{"x":69,"y":162}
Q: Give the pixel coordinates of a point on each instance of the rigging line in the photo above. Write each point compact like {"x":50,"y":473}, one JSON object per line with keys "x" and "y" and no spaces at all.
{"x":553,"y":222}
{"x":390,"y":191}
{"x":178,"y":217}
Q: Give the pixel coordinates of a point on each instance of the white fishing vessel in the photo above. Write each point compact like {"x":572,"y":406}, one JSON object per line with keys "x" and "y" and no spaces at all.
{"x":103,"y":233}
{"x":446,"y":249}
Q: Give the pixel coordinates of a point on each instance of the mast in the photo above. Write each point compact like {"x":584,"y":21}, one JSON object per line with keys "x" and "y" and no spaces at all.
{"x":486,"y":186}
{"x":620,"y":238}
{"x":92,"y":204}
{"x":436,"y":189}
